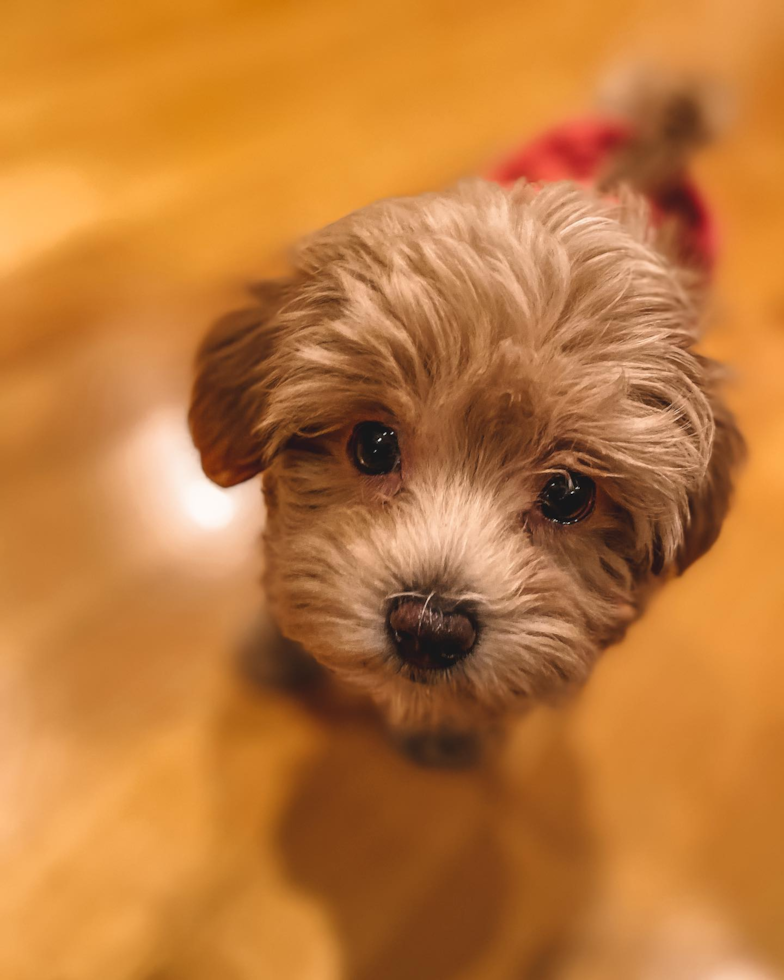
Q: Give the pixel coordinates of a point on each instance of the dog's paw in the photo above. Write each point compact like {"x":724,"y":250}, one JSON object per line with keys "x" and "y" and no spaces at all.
{"x":442,"y":749}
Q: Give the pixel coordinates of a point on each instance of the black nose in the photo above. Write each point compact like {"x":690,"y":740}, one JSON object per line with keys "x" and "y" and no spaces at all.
{"x":430,"y":635}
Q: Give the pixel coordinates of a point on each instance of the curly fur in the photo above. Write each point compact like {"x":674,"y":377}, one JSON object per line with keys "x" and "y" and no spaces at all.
{"x":508,"y":334}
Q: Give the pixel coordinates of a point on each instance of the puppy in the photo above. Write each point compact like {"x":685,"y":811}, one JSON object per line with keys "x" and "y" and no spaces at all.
{"x":484,"y":431}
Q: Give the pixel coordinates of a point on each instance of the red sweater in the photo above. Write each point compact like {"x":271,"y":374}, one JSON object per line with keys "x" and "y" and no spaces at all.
{"x":581,"y":149}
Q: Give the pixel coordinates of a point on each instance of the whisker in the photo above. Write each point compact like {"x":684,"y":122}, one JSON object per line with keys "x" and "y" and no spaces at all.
{"x":422,"y":614}
{"x":405,"y":595}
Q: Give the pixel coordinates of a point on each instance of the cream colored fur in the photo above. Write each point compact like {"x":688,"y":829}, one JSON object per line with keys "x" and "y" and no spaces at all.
{"x":506,"y":334}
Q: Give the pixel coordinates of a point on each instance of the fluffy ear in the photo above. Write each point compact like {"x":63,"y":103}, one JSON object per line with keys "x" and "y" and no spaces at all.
{"x":709,"y":504}
{"x":230,"y":390}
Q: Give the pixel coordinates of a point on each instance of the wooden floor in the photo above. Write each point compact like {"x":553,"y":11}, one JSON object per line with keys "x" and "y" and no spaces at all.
{"x":162,"y":819}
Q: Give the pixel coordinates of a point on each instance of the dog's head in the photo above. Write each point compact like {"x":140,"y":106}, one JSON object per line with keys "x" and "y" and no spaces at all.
{"x":484,"y":434}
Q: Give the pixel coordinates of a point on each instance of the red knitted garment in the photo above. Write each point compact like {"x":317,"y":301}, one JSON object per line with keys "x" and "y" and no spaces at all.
{"x":581,"y":149}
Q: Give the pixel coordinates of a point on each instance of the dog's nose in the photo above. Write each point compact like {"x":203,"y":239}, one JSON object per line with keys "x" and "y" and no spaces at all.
{"x":430,"y":635}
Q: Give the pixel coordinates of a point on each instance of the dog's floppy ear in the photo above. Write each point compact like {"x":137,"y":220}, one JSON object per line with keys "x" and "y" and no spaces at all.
{"x":709,"y":504}
{"x":230,"y":390}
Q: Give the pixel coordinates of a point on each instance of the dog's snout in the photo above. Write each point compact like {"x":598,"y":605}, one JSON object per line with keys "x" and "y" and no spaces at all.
{"x":430,"y":635}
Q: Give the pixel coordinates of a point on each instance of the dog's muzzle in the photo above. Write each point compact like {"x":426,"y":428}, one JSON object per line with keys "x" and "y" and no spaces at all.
{"x":430,"y":635}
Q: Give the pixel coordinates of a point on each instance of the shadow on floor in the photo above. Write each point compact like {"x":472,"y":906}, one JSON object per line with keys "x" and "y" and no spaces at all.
{"x":429,"y":875}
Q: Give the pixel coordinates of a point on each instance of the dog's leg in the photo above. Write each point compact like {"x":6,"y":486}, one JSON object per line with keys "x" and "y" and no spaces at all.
{"x":267,"y":658}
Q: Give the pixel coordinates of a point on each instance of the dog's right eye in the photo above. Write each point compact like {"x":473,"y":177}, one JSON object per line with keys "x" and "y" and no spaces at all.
{"x":568,"y":498}
{"x":373,"y":448}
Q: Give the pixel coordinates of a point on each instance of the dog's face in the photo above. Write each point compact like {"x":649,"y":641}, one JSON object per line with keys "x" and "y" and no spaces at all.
{"x":484,"y":435}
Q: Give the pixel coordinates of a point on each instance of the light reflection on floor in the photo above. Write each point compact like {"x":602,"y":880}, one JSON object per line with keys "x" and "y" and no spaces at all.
{"x":164,"y":501}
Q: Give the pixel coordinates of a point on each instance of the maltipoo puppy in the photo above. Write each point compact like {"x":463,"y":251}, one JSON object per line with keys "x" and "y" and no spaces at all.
{"x":484,"y":431}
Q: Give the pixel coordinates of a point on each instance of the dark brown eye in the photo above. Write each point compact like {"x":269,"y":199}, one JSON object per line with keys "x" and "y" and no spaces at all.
{"x":567,"y":498}
{"x":373,"y":448}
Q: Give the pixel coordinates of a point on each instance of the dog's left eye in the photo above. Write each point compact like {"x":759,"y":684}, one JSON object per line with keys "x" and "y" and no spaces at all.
{"x":568,"y":498}
{"x":373,"y":448}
